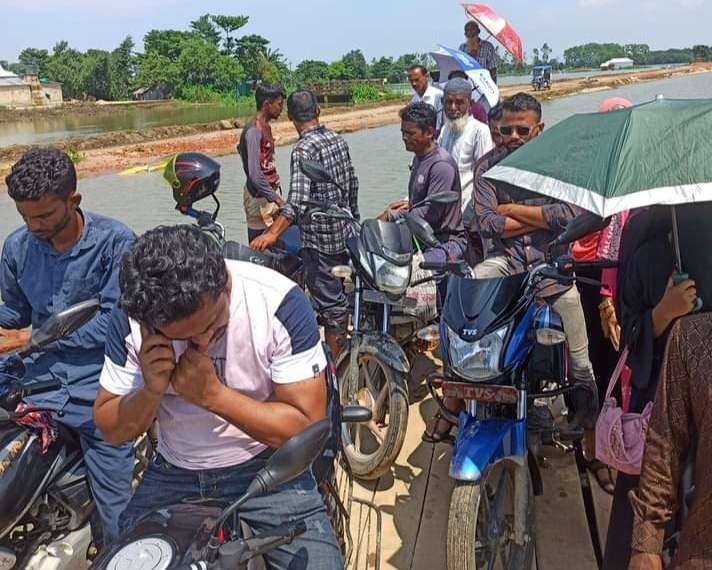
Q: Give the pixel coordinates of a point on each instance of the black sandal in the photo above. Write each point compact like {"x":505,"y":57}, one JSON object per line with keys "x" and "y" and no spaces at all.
{"x":438,"y":436}
{"x":607,"y":481}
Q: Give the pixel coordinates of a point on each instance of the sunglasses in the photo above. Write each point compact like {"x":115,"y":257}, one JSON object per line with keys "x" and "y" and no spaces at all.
{"x":506,"y":130}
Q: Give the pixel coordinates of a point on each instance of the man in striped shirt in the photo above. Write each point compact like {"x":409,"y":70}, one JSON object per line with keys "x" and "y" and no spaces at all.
{"x":482,"y":50}
{"x":323,"y":239}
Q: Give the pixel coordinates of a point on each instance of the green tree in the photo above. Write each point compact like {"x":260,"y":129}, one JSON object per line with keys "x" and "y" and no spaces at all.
{"x":201,"y":63}
{"x":249,"y":50}
{"x":35,"y":57}
{"x":382,"y":68}
{"x":229,"y":25}
{"x":310,"y":71}
{"x":355,"y":64}
{"x":639,"y":53}
{"x":157,"y":71}
{"x":95,"y":76}
{"x":338,"y":70}
{"x":205,"y":28}
{"x":122,"y":70}
{"x":167,"y":43}
{"x":67,"y":66}
{"x":545,"y":53}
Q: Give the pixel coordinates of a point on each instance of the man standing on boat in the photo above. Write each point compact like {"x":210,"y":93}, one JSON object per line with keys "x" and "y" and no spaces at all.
{"x":61,"y":256}
{"x":262,"y":195}
{"x":425,"y":92}
{"x":323,"y":241}
{"x":465,"y":138}
{"x":482,"y":50}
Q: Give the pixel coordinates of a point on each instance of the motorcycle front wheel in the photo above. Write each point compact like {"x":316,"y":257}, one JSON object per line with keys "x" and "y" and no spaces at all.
{"x":481,"y":524}
{"x":371,"y":448}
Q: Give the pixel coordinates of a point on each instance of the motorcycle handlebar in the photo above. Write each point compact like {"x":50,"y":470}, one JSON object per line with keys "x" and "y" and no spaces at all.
{"x":41,"y":387}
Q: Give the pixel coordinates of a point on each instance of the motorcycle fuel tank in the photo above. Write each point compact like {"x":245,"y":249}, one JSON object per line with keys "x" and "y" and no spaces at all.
{"x":23,"y":471}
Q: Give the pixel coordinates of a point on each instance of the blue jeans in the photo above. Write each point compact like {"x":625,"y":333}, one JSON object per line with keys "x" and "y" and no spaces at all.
{"x":165,"y":484}
{"x":109,"y":468}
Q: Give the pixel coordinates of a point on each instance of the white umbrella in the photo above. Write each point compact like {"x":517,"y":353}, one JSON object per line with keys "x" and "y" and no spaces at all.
{"x":449,"y":60}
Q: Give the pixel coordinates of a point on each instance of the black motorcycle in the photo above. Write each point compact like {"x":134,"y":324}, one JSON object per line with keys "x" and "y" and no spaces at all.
{"x":373,"y":369}
{"x":46,"y":506}
{"x":208,"y":536}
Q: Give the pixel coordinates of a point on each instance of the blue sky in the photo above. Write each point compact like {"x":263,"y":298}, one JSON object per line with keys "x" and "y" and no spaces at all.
{"x":324,"y":29}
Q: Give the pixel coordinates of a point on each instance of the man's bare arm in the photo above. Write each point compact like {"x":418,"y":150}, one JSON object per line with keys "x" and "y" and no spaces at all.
{"x":123,"y":418}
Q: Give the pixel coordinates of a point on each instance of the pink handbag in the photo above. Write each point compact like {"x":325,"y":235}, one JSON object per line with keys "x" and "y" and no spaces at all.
{"x":620,"y":436}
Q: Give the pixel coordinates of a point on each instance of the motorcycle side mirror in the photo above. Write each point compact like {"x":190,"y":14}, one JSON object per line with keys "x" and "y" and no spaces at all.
{"x":582,"y":225}
{"x":314,"y":171}
{"x":60,"y":325}
{"x":294,"y":457}
{"x":422,"y":230}
{"x":288,"y":462}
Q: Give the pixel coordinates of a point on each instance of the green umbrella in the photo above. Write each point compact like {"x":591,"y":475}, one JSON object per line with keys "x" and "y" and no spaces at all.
{"x":655,"y":153}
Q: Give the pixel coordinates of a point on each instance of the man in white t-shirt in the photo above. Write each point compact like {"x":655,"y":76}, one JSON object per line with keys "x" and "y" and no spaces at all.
{"x":226,"y":357}
{"x":467,"y":140}
{"x":425,"y":92}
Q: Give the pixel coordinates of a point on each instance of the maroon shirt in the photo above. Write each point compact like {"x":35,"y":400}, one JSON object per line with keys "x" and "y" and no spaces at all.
{"x":256,"y":149}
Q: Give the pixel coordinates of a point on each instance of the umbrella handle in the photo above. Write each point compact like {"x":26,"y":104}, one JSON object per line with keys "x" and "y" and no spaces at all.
{"x":678,"y":278}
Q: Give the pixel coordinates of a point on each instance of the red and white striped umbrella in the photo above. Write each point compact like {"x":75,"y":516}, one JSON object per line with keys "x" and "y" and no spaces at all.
{"x":500,"y":29}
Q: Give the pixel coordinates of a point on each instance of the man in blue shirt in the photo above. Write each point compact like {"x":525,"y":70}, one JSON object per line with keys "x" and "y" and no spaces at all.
{"x":62,"y":256}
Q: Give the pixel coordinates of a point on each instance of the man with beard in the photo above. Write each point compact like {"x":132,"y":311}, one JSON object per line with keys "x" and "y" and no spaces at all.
{"x":465,"y":138}
{"x":64,"y":255}
{"x":520,"y":225}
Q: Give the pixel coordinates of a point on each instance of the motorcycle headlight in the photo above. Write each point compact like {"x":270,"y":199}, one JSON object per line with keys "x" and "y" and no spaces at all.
{"x":478,"y":360}
{"x":390,"y":277}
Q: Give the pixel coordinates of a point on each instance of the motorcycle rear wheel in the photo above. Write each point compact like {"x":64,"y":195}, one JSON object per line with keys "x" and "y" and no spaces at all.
{"x":372,"y":448}
{"x":481,"y":525}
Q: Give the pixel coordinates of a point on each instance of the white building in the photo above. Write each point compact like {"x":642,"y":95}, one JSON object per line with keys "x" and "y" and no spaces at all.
{"x":16,"y":91}
{"x":617,"y":63}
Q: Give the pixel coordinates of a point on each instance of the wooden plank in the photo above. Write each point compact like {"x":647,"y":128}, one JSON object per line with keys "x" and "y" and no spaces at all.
{"x":604,"y":503}
{"x":431,"y":545}
{"x":562,"y":535}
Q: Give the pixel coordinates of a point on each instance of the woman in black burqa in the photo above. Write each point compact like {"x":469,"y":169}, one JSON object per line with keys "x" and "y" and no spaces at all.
{"x":647,"y":304}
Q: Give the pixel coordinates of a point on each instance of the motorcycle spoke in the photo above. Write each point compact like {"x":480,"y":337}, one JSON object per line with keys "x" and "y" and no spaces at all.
{"x":357,"y":437}
{"x":380,"y":401}
{"x":369,"y":380}
{"x":375,"y":431}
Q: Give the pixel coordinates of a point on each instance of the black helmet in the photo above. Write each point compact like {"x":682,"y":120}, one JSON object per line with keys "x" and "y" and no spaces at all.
{"x":192,"y":176}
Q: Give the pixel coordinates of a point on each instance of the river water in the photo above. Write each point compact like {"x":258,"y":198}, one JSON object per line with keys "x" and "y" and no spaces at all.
{"x":144,"y":200}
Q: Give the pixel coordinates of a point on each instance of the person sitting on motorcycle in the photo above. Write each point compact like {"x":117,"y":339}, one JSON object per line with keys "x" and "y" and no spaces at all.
{"x":433,"y":171}
{"x":519,"y":226}
{"x":324,"y":240}
{"x":61,"y":256}
{"x":226,"y":356}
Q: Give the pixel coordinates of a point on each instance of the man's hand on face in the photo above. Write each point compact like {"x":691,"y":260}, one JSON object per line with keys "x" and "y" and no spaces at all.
{"x":265,"y":241}
{"x":643,"y":561}
{"x":157,"y":360}
{"x":195,"y":379}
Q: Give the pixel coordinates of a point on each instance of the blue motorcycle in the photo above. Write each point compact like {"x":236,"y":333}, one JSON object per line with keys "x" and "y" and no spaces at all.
{"x":502,"y":348}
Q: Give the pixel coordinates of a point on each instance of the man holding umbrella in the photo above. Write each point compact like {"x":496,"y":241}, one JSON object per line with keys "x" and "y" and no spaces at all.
{"x":482,"y":50}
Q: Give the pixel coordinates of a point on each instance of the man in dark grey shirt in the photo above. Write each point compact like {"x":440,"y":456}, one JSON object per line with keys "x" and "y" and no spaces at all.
{"x":520,"y":225}
{"x":434,"y":171}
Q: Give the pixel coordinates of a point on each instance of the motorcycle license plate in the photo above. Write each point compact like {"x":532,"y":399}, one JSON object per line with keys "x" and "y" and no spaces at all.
{"x":371,"y":296}
{"x":488,"y":394}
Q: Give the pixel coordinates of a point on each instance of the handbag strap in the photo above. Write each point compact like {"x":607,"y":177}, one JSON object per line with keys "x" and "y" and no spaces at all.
{"x":617,"y":372}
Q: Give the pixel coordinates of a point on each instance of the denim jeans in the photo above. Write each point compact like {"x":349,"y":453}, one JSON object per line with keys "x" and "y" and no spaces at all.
{"x":165,"y":484}
{"x":568,"y":306}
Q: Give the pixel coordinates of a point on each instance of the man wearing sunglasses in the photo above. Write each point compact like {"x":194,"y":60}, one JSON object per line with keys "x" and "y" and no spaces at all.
{"x":518,"y":226}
